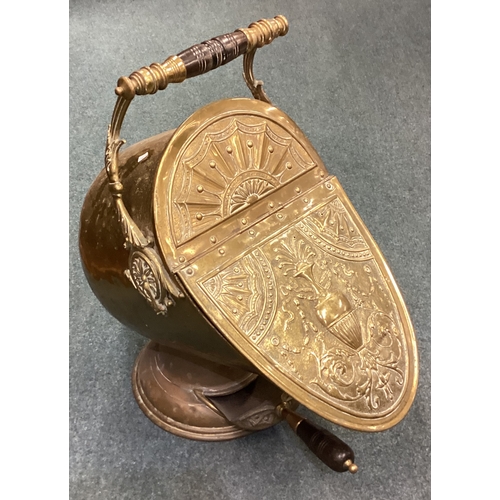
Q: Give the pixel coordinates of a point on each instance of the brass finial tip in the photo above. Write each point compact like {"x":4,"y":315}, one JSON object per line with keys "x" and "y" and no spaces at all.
{"x":284,"y":21}
{"x":352,"y":467}
{"x":125,"y":88}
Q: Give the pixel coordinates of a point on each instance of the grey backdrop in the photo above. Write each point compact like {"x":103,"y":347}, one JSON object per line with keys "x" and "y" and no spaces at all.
{"x":355,"y":76}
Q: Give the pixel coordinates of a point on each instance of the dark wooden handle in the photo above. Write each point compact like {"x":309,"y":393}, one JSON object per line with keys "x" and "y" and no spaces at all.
{"x":206,"y":56}
{"x":201,"y":58}
{"x":328,"y":448}
{"x":219,"y":50}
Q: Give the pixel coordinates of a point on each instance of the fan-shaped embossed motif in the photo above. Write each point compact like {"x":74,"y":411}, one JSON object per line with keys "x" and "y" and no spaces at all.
{"x":233,"y":163}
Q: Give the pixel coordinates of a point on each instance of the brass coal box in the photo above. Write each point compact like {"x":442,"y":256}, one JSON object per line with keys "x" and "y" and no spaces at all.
{"x":227,"y":243}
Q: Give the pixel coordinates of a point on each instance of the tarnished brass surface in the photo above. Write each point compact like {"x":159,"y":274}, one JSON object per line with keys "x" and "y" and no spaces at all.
{"x":172,"y":388}
{"x":199,"y":399}
{"x":272,"y":251}
{"x":106,"y":261}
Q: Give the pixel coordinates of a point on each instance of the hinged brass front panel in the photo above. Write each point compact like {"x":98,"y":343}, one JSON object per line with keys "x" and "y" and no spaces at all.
{"x":272,"y":251}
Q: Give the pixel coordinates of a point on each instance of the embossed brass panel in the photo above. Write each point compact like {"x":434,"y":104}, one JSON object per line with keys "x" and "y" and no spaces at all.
{"x":272,"y":251}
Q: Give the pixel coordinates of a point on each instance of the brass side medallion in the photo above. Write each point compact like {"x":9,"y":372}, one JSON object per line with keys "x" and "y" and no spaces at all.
{"x":277,"y":258}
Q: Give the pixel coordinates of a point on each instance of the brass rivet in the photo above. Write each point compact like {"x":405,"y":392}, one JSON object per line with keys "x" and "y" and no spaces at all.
{"x":200,"y":189}
{"x":244,"y":221}
{"x":297,"y":189}
{"x":199,"y":216}
{"x":306,"y":200}
{"x":270,"y":149}
{"x":182,"y":259}
{"x":288,"y":165}
{"x":213,"y":239}
{"x":229,"y":149}
{"x":212,"y":164}
{"x":222,"y":251}
{"x":328,"y":185}
{"x":189,"y":271}
{"x":250,"y":144}
{"x":271,"y":204}
{"x":251,"y":232}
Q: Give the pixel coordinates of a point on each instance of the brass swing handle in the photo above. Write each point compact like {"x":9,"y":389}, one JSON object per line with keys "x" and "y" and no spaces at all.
{"x":204,"y":57}
{"x":194,"y":61}
{"x":331,"y":450}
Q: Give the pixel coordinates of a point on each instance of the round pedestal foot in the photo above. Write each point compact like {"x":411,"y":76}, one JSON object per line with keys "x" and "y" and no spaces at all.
{"x":173,"y":390}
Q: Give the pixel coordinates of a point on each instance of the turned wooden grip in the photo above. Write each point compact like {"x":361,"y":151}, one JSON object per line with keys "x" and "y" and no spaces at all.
{"x":331,"y":450}
{"x":206,"y":56}
{"x":217,"y":51}
{"x":327,"y":447}
{"x":201,"y":58}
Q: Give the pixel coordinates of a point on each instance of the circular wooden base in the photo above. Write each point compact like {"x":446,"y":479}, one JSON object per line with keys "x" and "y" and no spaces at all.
{"x":170,"y":388}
